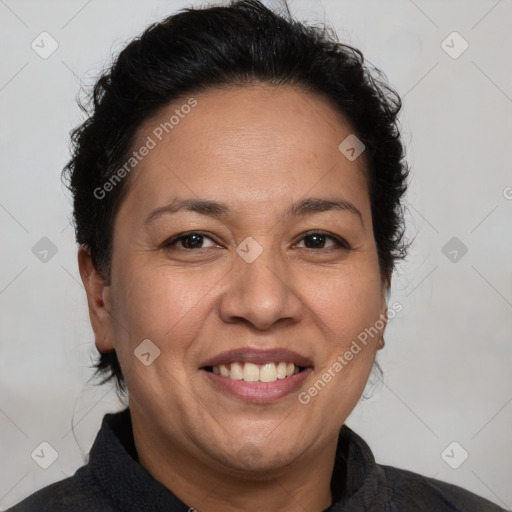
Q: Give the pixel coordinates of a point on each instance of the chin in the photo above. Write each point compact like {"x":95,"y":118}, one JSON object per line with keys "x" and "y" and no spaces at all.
{"x":258,"y":459}
{"x":250,"y":464}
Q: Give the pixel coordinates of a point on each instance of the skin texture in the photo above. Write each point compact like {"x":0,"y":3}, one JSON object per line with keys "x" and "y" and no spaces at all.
{"x":259,"y":149}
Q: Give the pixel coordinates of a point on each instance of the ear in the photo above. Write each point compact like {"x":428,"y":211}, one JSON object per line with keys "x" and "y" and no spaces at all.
{"x":385,"y":288}
{"x":98,"y":300}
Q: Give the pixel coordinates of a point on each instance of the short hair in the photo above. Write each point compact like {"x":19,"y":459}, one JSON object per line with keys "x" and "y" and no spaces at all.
{"x":238,"y":44}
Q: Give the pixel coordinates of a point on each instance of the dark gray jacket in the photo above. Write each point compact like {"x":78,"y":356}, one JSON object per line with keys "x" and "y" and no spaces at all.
{"x":114,"y":481}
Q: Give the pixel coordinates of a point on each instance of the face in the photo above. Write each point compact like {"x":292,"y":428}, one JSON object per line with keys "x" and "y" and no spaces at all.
{"x":244,"y":244}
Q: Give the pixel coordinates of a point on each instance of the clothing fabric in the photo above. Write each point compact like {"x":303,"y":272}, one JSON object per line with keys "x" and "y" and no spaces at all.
{"x":113,"y":480}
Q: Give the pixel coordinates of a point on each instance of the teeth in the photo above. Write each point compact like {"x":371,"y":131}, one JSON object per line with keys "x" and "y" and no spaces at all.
{"x":250,"y":372}
{"x":268,"y":373}
{"x":281,"y":370}
{"x":237,"y":371}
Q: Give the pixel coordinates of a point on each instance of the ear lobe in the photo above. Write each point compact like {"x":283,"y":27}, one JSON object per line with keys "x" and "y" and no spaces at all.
{"x":384,"y":310}
{"x":98,"y":300}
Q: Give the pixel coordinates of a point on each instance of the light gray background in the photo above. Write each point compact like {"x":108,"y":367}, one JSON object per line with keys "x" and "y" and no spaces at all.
{"x":448,"y":353}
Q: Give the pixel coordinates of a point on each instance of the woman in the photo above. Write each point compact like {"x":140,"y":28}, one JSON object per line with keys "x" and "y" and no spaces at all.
{"x":237,"y":201}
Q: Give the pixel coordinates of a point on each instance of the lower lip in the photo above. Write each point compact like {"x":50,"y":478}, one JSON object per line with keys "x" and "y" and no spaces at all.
{"x":258,"y":392}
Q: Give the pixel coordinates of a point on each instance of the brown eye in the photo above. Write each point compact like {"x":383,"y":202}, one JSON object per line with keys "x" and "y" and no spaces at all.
{"x":193,"y":240}
{"x":318,"y":240}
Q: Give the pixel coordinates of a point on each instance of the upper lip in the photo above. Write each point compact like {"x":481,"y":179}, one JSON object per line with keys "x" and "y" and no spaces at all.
{"x":247,"y":355}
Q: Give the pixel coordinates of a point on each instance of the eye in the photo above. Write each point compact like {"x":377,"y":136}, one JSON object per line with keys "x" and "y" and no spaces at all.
{"x":312,"y":240}
{"x":317,"y":240}
{"x":191,"y":240}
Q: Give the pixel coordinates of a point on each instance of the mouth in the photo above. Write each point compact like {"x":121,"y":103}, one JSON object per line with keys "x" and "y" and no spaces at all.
{"x":250,"y":372}
{"x":256,"y":375}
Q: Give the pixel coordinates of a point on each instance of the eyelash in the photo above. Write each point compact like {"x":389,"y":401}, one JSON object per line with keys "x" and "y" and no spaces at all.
{"x":339,"y":242}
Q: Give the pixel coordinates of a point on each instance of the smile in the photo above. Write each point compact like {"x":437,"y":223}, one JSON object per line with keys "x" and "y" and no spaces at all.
{"x":250,"y":372}
{"x":257,"y":375}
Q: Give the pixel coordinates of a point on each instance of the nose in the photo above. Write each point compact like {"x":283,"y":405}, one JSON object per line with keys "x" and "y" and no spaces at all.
{"x":260,"y":293}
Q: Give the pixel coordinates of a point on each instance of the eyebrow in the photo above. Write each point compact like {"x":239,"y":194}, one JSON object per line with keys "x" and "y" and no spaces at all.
{"x":215,"y":209}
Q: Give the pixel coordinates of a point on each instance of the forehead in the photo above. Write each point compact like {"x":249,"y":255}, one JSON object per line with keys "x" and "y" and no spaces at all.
{"x":254,"y":143}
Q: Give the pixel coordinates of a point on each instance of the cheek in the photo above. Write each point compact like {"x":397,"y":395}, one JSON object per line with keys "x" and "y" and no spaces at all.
{"x":347,"y":309}
{"x":347,"y":303}
{"x":161,"y":306}
{"x":166,"y":309}
{"x":155,"y":301}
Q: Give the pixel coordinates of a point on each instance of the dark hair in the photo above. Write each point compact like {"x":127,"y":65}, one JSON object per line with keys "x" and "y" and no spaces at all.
{"x":239,"y":44}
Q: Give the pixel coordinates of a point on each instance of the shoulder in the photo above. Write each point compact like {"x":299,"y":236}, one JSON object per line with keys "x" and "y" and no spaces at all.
{"x":72,"y":494}
{"x":86,"y":491}
{"x":373,"y":486}
{"x":407,"y":490}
